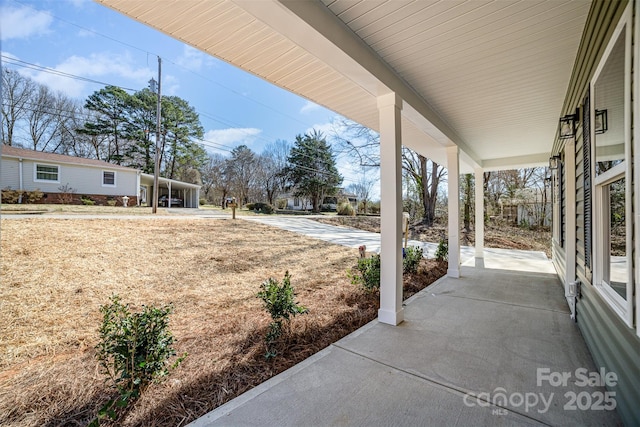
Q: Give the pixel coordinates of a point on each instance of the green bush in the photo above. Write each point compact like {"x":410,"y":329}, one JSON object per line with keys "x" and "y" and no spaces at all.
{"x":133,"y":351}
{"x":263,"y":208}
{"x":345,"y":208}
{"x":250,"y":206}
{"x":279,"y":301}
{"x":367,"y":274}
{"x":442,"y":252}
{"x":111,"y":202}
{"x":412,"y":258}
{"x":202,"y":201}
{"x":86,"y":200}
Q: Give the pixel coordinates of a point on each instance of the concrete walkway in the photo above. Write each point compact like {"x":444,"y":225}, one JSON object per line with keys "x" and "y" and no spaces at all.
{"x":508,"y":259}
{"x":474,"y":351}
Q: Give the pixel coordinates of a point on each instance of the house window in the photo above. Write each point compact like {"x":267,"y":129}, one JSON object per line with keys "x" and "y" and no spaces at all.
{"x":48,"y":173}
{"x":296,"y":201}
{"x":611,"y":149}
{"x":108,"y":178}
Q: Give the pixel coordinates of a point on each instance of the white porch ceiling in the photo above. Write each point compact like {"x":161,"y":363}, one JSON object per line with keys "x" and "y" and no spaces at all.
{"x":488,"y":76}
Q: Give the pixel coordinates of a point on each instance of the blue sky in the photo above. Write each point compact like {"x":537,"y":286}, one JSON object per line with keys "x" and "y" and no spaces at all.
{"x":85,"y":39}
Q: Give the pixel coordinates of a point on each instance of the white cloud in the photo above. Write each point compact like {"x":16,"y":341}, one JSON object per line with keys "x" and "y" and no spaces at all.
{"x":23,"y":22}
{"x":111,"y":68}
{"x":309,"y":107}
{"x":327,"y":129}
{"x":232,"y":136}
{"x":194,"y":60}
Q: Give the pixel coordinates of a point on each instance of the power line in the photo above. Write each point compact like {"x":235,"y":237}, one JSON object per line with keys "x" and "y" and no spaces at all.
{"x":53,"y":71}
{"x":235,"y":92}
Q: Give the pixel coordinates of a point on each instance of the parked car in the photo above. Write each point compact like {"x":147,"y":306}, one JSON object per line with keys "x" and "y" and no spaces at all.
{"x":164,"y":201}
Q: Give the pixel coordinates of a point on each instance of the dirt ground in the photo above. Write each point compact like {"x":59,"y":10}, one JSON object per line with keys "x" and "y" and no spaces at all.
{"x":57,"y":273}
{"x":495,"y":235}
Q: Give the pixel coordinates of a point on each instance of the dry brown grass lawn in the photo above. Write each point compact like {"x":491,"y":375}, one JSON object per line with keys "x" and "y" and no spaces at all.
{"x":56,"y":274}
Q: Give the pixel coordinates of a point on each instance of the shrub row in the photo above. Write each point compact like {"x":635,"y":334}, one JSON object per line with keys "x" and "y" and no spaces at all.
{"x":10,"y":196}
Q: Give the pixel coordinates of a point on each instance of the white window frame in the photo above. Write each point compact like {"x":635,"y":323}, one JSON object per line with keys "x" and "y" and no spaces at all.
{"x":636,"y":144}
{"x":115,"y":182}
{"x":623,"y":308}
{"x":35,"y":173}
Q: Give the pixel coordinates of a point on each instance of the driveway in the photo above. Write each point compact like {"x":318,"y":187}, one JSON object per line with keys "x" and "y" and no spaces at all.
{"x":509,"y":259}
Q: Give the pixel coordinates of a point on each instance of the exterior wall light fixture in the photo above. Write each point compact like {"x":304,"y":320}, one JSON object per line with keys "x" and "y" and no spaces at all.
{"x":602,"y":124}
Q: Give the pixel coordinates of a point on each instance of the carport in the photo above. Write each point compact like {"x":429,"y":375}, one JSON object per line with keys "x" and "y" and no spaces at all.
{"x":188,"y":193}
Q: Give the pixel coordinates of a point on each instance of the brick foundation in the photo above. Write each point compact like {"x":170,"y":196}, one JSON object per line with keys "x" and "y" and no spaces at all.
{"x":76,"y":199}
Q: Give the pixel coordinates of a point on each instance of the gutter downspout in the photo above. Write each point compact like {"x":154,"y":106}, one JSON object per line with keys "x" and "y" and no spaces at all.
{"x":21,"y":180}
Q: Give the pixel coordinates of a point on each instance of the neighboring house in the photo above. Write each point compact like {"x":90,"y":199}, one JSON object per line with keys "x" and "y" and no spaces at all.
{"x":474,"y":86}
{"x":530,"y":207}
{"x":70,"y":179}
{"x":300,"y":203}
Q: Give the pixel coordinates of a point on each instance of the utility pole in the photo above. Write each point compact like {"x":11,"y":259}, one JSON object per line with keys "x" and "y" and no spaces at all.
{"x":156,"y":169}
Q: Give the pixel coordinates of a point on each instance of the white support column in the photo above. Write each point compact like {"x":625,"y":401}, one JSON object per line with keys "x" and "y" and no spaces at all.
{"x":479,"y":183}
{"x":453,"y":182}
{"x":391,"y":311}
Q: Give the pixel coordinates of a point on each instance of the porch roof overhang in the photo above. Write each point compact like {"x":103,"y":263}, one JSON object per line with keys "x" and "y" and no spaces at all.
{"x":487,"y":76}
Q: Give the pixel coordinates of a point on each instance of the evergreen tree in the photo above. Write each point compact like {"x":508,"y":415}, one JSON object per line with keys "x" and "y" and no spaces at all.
{"x":312,"y":168}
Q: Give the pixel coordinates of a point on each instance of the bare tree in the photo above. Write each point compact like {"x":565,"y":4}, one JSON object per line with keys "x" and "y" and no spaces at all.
{"x":216,"y":183}
{"x":16,"y":102}
{"x":49,"y":114}
{"x":357,"y":142}
{"x":273,"y":162}
{"x":426,"y":175}
{"x":362,"y":189}
{"x":241,"y":168}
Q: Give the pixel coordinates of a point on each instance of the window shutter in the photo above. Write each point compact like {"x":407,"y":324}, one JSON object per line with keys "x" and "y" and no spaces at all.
{"x":586,"y":150}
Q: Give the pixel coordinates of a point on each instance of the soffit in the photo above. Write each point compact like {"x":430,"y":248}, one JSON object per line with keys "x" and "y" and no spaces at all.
{"x":496,"y":72}
{"x":490,"y":76}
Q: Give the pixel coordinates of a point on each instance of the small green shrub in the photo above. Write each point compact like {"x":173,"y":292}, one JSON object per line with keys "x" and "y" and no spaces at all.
{"x":202,"y":201}
{"x":263,"y":208}
{"x":279,"y":301}
{"x":133,"y":351}
{"x":86,"y":200}
{"x":111,"y":202}
{"x":412,"y":258}
{"x":367,"y":274}
{"x":345,"y":208}
{"x":442,"y":252}
{"x":250,"y":206}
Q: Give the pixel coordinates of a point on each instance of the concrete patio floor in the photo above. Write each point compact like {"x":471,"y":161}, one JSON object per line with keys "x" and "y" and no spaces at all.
{"x":465,"y":346}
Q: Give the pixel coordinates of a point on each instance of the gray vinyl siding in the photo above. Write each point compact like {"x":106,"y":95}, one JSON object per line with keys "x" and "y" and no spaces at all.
{"x":9,"y":173}
{"x":613,"y":345}
{"x":558,"y":258}
{"x":83,"y":179}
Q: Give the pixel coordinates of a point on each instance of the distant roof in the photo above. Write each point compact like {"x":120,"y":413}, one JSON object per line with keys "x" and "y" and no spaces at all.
{"x":10,"y":151}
